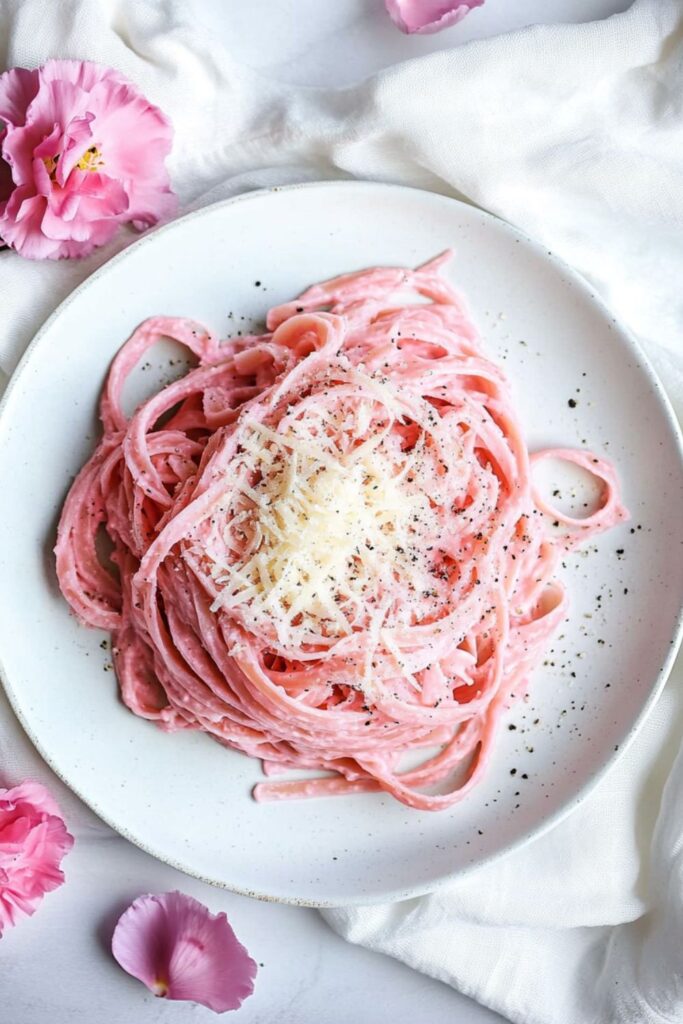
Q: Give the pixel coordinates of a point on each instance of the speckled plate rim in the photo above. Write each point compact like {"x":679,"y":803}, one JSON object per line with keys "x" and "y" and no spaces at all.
{"x":613,"y":756}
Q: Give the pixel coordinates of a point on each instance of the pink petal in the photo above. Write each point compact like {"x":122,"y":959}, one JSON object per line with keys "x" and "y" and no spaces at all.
{"x":139,"y":138}
{"x":56,"y":102}
{"x":138,"y":134}
{"x":77,"y":137}
{"x":14,"y":835}
{"x":31,"y":794}
{"x":153,"y":205}
{"x":18,"y":88}
{"x":180,"y":950}
{"x":83,"y":73}
{"x":88,"y":197}
{"x":17,"y":150}
{"x":48,"y":147}
{"x":425,"y":16}
{"x":23,"y":232}
{"x":100,"y":234}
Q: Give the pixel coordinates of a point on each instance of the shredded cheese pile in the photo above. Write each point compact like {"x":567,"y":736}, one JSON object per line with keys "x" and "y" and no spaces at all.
{"x":323,"y":535}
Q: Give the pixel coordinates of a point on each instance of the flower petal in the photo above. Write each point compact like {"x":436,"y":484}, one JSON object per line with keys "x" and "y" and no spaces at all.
{"x":83,"y":73}
{"x":425,"y":16}
{"x":18,"y":88}
{"x":90,"y":197}
{"x":76,"y":138}
{"x":33,"y":836}
{"x":23,"y":231}
{"x":180,"y":950}
{"x":28,"y":794}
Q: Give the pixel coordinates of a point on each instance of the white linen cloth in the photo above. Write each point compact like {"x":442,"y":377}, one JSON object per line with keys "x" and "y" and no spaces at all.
{"x":574,"y":133}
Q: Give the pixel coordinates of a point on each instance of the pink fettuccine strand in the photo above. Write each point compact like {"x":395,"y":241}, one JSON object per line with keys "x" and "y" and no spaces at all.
{"x":329,"y":546}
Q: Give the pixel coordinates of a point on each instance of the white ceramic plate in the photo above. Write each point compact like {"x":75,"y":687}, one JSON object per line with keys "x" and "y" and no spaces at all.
{"x":185,"y":798}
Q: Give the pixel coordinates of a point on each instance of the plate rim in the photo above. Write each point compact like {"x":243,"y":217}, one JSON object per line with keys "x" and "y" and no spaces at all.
{"x":644,"y":366}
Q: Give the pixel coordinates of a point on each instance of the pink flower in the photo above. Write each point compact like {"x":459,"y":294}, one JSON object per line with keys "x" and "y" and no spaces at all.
{"x":425,"y":16}
{"x":180,"y":950}
{"x":33,"y":840}
{"x":81,"y":151}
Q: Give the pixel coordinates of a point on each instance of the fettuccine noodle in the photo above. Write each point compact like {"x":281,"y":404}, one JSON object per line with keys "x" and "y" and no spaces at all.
{"x":328,"y":544}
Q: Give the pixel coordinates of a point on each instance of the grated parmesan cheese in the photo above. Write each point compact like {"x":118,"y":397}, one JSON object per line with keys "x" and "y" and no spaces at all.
{"x":322,"y":533}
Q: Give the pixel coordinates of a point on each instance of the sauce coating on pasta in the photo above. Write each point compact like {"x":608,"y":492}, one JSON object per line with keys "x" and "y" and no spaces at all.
{"x":329,"y":547}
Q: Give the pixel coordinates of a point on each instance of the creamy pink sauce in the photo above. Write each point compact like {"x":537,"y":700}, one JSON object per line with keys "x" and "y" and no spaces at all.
{"x":446,"y":659}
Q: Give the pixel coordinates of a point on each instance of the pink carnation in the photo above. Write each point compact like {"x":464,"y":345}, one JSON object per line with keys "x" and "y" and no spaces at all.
{"x":426,"y":16}
{"x":81,"y":151}
{"x":33,"y":840}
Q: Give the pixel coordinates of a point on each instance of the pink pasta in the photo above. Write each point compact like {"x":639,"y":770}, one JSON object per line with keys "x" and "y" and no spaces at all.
{"x":329,"y":550}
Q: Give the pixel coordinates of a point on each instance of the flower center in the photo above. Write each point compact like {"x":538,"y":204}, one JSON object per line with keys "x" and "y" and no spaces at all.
{"x":91,"y":160}
{"x":51,"y":165}
{"x":160,"y":987}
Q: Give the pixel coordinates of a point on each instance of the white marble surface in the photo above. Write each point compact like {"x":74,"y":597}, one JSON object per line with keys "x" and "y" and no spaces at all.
{"x":56,"y":968}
